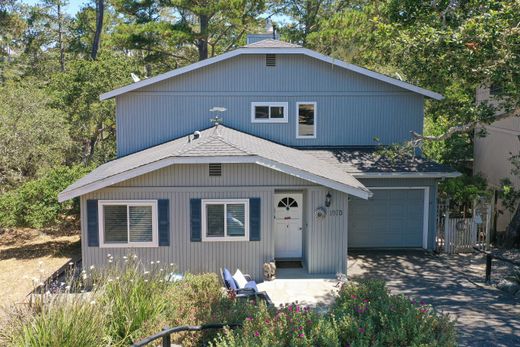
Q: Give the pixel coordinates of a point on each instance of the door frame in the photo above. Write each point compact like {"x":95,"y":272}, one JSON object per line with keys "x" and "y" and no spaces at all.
{"x":426,"y":208}
{"x":275,"y":201}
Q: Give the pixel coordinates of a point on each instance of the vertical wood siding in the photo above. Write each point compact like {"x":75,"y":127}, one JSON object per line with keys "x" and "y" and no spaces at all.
{"x":324,"y":240}
{"x":351,"y":109}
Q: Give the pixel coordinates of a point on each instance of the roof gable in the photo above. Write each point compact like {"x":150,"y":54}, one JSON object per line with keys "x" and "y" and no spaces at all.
{"x":218,"y":144}
{"x":271,"y":47}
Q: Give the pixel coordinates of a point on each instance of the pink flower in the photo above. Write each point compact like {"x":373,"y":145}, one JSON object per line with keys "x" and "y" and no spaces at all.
{"x":361,"y":330}
{"x":249,"y":318}
{"x":300,"y":327}
{"x":353,"y":296}
{"x":257,"y":333}
{"x":301,"y":335}
{"x":267,"y":321}
{"x":365,"y":300}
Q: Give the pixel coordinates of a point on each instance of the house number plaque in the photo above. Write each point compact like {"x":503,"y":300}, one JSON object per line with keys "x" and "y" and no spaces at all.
{"x":336,"y":212}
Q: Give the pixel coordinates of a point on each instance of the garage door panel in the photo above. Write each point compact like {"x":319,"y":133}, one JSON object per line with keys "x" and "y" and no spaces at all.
{"x":393,"y":218}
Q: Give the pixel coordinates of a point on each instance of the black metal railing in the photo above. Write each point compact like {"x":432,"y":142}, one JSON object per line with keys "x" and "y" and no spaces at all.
{"x":166,"y":333}
{"x":489,"y":261}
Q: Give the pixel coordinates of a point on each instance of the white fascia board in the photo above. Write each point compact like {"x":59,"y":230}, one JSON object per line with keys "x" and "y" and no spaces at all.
{"x":406,"y":174}
{"x":251,"y":50}
{"x":144,"y":169}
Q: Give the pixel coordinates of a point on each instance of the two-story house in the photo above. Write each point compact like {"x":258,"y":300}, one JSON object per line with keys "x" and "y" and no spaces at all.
{"x":291,"y":171}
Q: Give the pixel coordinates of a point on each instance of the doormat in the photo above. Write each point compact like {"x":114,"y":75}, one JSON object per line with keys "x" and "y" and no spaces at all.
{"x":289,"y":264}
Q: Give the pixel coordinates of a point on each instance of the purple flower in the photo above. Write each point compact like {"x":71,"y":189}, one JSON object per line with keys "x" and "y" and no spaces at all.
{"x":300,"y":327}
{"x":422,"y":303}
{"x":257,"y":333}
{"x":361,"y":330}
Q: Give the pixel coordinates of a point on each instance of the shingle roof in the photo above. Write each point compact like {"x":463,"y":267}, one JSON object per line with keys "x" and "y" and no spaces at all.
{"x":212,"y":144}
{"x":271,"y":43}
{"x":369,"y":161}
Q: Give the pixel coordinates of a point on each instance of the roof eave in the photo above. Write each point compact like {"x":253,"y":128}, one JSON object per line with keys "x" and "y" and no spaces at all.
{"x":69,"y":193}
{"x":406,"y":174}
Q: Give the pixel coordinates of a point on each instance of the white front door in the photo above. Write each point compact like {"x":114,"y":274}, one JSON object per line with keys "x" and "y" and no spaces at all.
{"x":288,"y":225}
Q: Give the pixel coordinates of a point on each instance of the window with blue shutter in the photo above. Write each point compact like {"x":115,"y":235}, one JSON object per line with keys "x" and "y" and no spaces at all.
{"x":195,"y":220}
{"x":92,"y":223}
{"x":164,"y":222}
{"x":254,"y":219}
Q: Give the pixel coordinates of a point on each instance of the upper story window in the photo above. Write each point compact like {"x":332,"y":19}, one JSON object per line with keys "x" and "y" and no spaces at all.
{"x":269,"y":112}
{"x":225,"y":220}
{"x":306,"y":120}
{"x":128,"y":223}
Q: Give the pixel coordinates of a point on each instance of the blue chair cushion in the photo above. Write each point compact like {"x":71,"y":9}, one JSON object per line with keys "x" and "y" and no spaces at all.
{"x":228,"y":278}
{"x":251,"y":285}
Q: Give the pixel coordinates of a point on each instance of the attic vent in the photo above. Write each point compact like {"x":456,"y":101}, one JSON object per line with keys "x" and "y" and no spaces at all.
{"x":215,"y":170}
{"x":270,"y":60}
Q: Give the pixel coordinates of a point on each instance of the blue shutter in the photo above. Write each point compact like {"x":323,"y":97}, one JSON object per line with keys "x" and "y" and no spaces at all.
{"x":254,"y":219}
{"x":195,"y":217}
{"x":92,"y":223}
{"x":163,"y":207}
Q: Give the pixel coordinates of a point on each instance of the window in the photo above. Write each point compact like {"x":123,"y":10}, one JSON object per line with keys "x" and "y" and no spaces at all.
{"x":269,"y":112}
{"x":128,"y":223}
{"x":225,"y":220}
{"x":306,"y":124}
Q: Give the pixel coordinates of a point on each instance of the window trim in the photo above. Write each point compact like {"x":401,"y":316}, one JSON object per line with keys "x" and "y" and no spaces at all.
{"x":285,"y":106}
{"x":298,"y":136}
{"x":205,"y":202}
{"x":128,"y":244}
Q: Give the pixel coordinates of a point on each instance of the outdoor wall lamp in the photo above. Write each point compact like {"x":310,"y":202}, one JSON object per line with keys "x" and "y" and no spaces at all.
{"x":328,"y":199}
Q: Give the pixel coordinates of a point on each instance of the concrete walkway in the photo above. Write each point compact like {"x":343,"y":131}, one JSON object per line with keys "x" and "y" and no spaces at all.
{"x":452,"y":284}
{"x":295,"y":285}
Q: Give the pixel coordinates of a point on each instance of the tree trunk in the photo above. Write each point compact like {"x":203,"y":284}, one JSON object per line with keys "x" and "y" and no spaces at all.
{"x":100,"y":12}
{"x":202,"y":41}
{"x":512,"y":235}
{"x":60,"y":38}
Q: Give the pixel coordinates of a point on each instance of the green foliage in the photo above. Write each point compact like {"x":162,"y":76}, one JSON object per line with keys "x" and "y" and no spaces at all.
{"x":33,"y":135}
{"x":364,"y":314}
{"x":62,"y":322}
{"x":464,"y":189}
{"x":35,"y":203}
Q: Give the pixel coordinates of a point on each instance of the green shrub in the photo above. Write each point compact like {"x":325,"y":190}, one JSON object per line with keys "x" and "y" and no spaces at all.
{"x":364,"y":314}
{"x":35,"y":203}
{"x":63,"y":322}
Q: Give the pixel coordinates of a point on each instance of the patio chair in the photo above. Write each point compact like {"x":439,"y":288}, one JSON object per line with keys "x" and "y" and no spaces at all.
{"x":248,"y":291}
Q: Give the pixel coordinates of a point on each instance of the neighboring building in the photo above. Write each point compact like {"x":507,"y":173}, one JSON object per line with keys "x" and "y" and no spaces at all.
{"x":492,"y":154}
{"x":292,"y":171}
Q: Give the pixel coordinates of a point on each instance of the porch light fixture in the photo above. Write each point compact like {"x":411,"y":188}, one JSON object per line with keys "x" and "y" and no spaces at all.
{"x":328,"y":199}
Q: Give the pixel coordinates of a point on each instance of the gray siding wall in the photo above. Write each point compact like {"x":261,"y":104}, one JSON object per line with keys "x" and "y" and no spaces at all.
{"x":408,"y":182}
{"x":325,"y":240}
{"x":351,"y":109}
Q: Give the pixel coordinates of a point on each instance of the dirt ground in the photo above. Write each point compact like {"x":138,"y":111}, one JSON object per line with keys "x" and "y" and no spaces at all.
{"x":29,"y":256}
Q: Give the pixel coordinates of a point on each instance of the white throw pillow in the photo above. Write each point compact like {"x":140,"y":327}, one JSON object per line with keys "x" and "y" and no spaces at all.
{"x":240,"y":279}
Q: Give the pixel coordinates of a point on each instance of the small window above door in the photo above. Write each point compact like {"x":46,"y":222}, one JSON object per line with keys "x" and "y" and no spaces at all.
{"x":269,"y":112}
{"x":287,"y":202}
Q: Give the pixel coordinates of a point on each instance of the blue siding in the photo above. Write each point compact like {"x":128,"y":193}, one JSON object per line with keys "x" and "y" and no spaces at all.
{"x":351,"y":109}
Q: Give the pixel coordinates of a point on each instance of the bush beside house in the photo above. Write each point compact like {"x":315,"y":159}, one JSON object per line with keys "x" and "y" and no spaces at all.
{"x":125,"y":306}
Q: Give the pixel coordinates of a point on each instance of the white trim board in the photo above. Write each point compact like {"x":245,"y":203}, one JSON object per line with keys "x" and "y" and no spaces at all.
{"x":426,"y":208}
{"x":159,"y":164}
{"x":251,"y":50}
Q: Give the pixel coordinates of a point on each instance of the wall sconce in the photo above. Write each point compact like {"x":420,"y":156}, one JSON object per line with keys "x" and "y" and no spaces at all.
{"x":328,"y":199}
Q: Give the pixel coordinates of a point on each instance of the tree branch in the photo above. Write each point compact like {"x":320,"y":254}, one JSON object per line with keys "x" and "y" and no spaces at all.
{"x":465,"y":128}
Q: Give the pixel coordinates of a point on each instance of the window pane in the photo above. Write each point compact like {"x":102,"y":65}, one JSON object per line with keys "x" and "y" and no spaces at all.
{"x":236,"y":220}
{"x":115,"y":227}
{"x":215,"y":220}
{"x":276,"y":111}
{"x":261,"y":112}
{"x":306,"y":120}
{"x":140,"y":223}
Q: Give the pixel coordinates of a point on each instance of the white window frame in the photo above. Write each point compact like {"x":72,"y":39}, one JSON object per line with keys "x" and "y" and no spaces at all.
{"x":101,"y":223}
{"x":285,"y":106}
{"x":224,"y":202}
{"x":298,"y":136}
